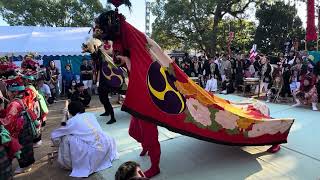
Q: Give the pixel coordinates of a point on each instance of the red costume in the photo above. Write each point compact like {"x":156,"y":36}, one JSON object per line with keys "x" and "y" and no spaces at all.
{"x":146,"y":133}
{"x":160,"y":93}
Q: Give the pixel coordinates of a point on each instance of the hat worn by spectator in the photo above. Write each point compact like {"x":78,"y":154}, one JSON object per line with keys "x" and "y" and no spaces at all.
{"x":7,"y":68}
{"x":29,"y":74}
{"x":15,"y":84}
{"x":80,"y":84}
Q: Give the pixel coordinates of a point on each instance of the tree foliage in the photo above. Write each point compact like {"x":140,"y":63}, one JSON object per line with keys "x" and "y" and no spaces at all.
{"x":277,"y":22}
{"x":50,"y":12}
{"x":193,"y":23}
{"x":244,"y":32}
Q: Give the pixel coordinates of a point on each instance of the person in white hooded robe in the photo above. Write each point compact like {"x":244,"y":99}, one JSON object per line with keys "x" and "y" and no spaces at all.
{"x":84,"y":148}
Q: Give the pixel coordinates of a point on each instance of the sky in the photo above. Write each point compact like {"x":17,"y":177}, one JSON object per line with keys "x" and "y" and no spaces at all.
{"x":137,"y":16}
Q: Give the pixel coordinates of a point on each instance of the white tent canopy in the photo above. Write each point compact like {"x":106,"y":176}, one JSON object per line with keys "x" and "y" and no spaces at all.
{"x":21,"y":40}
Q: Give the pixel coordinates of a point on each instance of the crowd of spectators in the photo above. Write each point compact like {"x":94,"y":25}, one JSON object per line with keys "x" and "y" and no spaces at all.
{"x":294,"y":76}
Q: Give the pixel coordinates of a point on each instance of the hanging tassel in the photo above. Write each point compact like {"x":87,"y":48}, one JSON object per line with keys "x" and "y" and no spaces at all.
{"x":118,"y":3}
{"x":311,"y":28}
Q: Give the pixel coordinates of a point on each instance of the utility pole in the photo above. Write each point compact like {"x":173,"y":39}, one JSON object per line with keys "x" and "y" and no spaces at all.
{"x":147,"y":17}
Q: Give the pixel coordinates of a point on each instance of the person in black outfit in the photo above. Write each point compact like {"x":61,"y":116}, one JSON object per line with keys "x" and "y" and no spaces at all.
{"x":186,"y":58}
{"x":81,"y":94}
{"x":86,"y":71}
{"x":285,"y":91}
{"x":227,"y":87}
{"x":238,"y":71}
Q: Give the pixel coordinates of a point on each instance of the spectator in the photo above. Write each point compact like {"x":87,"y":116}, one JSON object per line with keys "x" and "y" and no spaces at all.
{"x":307,"y":92}
{"x":206,"y":68}
{"x":291,"y":58}
{"x":214,"y":70}
{"x":238,"y":71}
{"x":265,"y":74}
{"x":72,"y":88}
{"x":226,"y":68}
{"x":197,"y":68}
{"x":86,"y":75}
{"x":67,"y":77}
{"x":246,"y":66}
{"x":212,"y":85}
{"x":296,"y":73}
{"x":277,"y":82}
{"x":186,"y":58}
{"x":81,"y":94}
{"x":286,"y":75}
{"x":45,"y":91}
{"x":257,"y":67}
{"x":227,"y":86}
{"x":129,"y":171}
{"x":53,"y":76}
{"x":84,"y":147}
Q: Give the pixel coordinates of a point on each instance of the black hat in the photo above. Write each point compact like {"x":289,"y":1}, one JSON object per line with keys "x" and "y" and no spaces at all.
{"x":80,"y":84}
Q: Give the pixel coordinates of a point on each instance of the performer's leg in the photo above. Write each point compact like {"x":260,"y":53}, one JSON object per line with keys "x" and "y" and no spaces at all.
{"x":103,"y":96}
{"x":136,"y":133}
{"x":110,"y":109}
{"x":152,"y":145}
{"x":103,"y":99}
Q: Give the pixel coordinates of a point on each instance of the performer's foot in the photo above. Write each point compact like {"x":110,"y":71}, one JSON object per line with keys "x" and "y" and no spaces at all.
{"x":143,"y":152}
{"x":152,"y":172}
{"x":274,"y":148}
{"x":105,"y":114}
{"x":112,"y":120}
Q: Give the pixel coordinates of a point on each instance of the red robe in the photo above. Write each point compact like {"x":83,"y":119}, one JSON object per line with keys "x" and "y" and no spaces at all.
{"x":13,"y":120}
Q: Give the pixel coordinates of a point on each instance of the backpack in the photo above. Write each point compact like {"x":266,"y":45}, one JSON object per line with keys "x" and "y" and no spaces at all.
{"x":31,"y":117}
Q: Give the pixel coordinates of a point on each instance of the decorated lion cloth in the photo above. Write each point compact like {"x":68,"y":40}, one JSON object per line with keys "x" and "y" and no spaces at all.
{"x":161,"y":93}
{"x":108,"y":74}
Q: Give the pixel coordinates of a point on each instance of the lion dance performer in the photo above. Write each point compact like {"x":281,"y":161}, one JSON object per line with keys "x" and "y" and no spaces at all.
{"x":110,"y":78}
{"x":160,"y":93}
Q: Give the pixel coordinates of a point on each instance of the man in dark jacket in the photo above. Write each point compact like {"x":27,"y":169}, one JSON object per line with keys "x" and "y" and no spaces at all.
{"x":81,"y":94}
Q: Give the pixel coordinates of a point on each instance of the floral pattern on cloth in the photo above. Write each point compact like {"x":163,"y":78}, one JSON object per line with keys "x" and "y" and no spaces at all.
{"x":226,"y":119}
{"x":269,"y":127}
{"x":13,"y":120}
{"x":262,"y":107}
{"x":199,"y":112}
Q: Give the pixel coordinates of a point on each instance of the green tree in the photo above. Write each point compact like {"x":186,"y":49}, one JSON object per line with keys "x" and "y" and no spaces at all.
{"x":244,"y":32}
{"x":193,"y":23}
{"x":277,"y":22}
{"x":50,"y":12}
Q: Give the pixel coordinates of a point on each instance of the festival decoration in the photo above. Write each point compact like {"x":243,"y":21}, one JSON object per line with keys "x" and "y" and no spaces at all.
{"x":118,"y":3}
{"x":253,"y":52}
{"x":311,"y":34}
